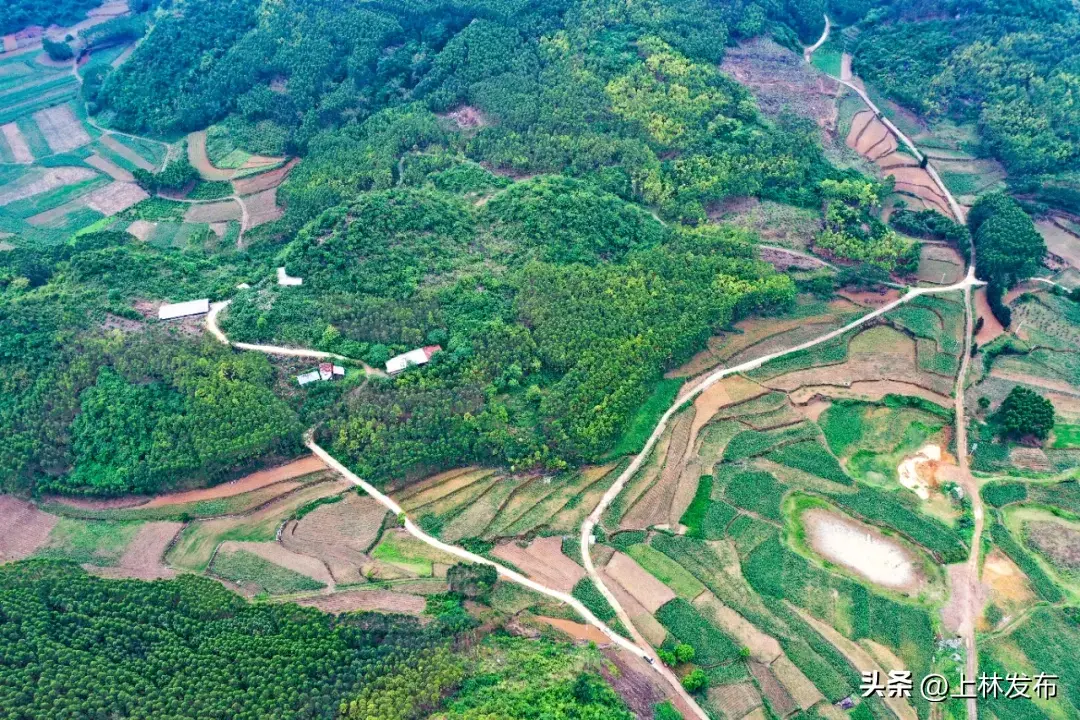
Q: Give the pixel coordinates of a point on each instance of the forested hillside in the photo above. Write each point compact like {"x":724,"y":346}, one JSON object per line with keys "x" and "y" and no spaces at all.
{"x":1004,"y":65}
{"x":75,"y":646}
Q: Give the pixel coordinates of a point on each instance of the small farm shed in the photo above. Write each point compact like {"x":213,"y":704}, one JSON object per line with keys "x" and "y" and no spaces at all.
{"x":184,"y":309}
{"x":325,"y":371}
{"x":418,"y":356}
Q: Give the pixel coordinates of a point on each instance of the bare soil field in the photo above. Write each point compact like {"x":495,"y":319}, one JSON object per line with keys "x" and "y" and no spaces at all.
{"x":196,"y":147}
{"x":940,"y":265}
{"x":263,"y":208}
{"x":62,"y":130}
{"x":20,"y":150}
{"x":646,"y":589}
{"x":24,"y":528}
{"x":634,"y":686}
{"x":862,"y":549}
{"x":780,"y":80}
{"x":643,"y":620}
{"x":543,"y":560}
{"x":435,"y":492}
{"x":142,"y":229}
{"x":143,"y":559}
{"x":127,"y":153}
{"x":340,"y":535}
{"x":254,"y":481}
{"x":265,"y":181}
{"x":1060,"y":242}
{"x":115,"y":197}
{"x":1009,"y":588}
{"x":44,"y":181}
{"x":415,"y":488}
{"x":991,"y":328}
{"x":109,"y":168}
{"x":367,"y":600}
{"x":213,"y":212}
{"x":1057,"y":541}
{"x":779,"y":699}
{"x":874,"y":353}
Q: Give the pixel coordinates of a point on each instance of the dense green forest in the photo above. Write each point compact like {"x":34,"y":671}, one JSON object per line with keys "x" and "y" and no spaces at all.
{"x":73,"y":645}
{"x":18,"y":14}
{"x":1003,"y":65}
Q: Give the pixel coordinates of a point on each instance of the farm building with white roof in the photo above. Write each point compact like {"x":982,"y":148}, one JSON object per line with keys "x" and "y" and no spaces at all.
{"x":184,"y":309}
{"x":418,"y":356}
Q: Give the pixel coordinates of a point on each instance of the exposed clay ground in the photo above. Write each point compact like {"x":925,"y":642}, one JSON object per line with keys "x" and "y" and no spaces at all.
{"x":263,"y":208}
{"x":264,"y":181}
{"x":578,"y":631}
{"x":213,"y":212}
{"x":23,"y":530}
{"x":991,"y":328}
{"x":862,"y":549}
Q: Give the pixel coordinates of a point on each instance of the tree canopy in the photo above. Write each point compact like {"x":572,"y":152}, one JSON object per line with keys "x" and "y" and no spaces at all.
{"x":1025,"y":414}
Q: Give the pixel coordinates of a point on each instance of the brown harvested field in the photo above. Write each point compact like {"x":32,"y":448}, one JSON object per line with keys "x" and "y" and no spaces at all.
{"x":774,"y":691}
{"x":1060,"y":242}
{"x":109,"y":168}
{"x":407,"y":491}
{"x":476,"y":517}
{"x":262,"y":208}
{"x":20,"y":150}
{"x":874,"y":353}
{"x":940,"y":265}
{"x":24,"y":528}
{"x":763,"y":648}
{"x":643,"y":620}
{"x":339,"y":534}
{"x":439,"y":491}
{"x":1057,"y":541}
{"x":685,"y":490}
{"x":144,"y":557}
{"x":115,"y":197}
{"x":646,"y":589}
{"x":729,"y":391}
{"x":48,"y":179}
{"x":578,"y":631}
{"x":543,"y":560}
{"x":265,"y":181}
{"x":653,"y":507}
{"x":274,"y":553}
{"x":991,"y":328}
{"x":62,"y":130}
{"x":127,"y":153}
{"x":736,"y":700}
{"x":254,"y":481}
{"x":367,"y":601}
{"x":873,"y":390}
{"x":213,"y":212}
{"x":804,"y":692}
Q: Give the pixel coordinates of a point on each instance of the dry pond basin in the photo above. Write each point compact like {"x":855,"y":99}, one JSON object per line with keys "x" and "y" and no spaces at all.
{"x":862,"y":549}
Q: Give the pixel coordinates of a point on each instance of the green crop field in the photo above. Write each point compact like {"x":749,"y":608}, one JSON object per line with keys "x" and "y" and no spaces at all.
{"x":667,"y":571}
{"x":711,"y":645}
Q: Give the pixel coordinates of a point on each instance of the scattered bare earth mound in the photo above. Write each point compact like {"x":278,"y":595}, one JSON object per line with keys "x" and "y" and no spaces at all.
{"x":24,"y":528}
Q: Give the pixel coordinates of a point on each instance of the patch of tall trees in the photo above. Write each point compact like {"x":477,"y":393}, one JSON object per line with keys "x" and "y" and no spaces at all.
{"x":1008,"y":248}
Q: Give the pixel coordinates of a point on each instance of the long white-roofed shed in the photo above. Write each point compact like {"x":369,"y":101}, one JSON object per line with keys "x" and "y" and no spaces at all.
{"x":184,"y":309}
